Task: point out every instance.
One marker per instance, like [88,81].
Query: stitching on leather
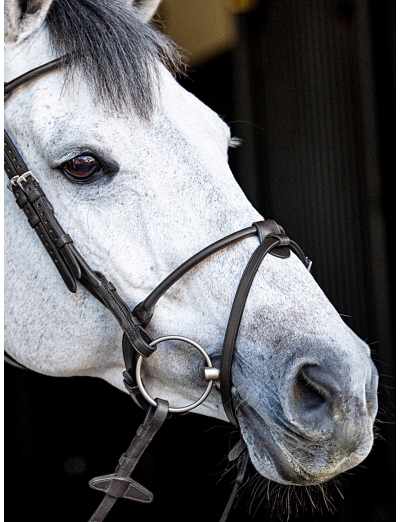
[124,313]
[142,436]
[117,303]
[141,488]
[101,298]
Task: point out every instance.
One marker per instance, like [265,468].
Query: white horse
[159,190]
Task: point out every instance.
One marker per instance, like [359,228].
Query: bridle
[137,343]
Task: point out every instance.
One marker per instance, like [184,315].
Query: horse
[137,171]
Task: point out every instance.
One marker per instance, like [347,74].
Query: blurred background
[309,87]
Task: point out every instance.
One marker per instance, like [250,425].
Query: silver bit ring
[209,376]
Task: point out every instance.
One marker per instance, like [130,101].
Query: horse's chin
[270,457]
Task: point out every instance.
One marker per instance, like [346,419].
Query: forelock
[112,50]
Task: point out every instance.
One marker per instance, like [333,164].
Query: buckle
[18,180]
[24,177]
[12,183]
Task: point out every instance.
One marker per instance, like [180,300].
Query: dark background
[310,88]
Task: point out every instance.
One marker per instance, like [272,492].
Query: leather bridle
[137,343]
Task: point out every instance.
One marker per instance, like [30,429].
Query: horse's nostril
[315,393]
[322,382]
[307,392]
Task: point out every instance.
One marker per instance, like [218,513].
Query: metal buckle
[12,183]
[309,264]
[17,180]
[24,177]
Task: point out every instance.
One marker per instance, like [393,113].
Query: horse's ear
[23,16]
[146,8]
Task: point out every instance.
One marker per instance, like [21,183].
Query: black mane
[112,50]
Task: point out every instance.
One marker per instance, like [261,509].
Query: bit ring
[214,374]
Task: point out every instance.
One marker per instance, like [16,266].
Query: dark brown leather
[63,263]
[13,163]
[43,210]
[119,484]
[271,242]
[144,310]
[10,87]
[235,318]
[107,294]
[242,467]
[130,383]
[268,227]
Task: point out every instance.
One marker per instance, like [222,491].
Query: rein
[137,343]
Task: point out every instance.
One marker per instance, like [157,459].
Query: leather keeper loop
[266,228]
[128,381]
[283,240]
[63,240]
[34,220]
[21,199]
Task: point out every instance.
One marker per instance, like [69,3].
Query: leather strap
[241,473]
[119,484]
[14,165]
[235,318]
[39,212]
[32,200]
[130,383]
[12,362]
[268,227]
[270,242]
[9,87]
[144,310]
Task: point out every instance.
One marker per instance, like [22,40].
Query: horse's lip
[287,468]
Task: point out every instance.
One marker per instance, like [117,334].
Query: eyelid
[59,160]
[109,165]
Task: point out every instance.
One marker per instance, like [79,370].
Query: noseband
[137,343]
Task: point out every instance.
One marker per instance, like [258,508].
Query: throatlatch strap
[119,484]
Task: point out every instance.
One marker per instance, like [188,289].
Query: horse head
[136,169]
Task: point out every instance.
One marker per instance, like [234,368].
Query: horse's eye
[83,168]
